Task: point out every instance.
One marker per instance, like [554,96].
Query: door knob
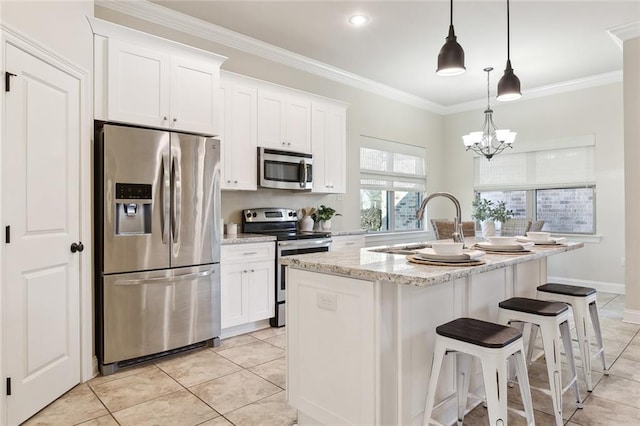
[76,247]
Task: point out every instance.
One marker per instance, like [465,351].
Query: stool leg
[532,343]
[595,320]
[463,378]
[565,332]
[551,343]
[494,374]
[580,318]
[523,382]
[436,366]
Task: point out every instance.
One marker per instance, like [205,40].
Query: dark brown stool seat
[478,332]
[534,306]
[568,290]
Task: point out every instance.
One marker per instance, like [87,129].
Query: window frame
[393,147]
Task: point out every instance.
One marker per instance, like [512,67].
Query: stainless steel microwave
[285,169]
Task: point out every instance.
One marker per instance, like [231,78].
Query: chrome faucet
[458,237]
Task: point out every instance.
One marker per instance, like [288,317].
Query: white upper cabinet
[328,137]
[238,133]
[146,80]
[284,120]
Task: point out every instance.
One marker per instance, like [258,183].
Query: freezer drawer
[150,312]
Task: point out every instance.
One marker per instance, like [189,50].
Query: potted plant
[487,213]
[323,216]
[500,212]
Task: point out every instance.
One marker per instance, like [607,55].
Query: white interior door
[41,275]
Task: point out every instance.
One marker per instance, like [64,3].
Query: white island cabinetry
[247,289]
[361,329]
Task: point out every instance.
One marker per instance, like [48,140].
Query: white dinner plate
[507,247]
[549,242]
[430,254]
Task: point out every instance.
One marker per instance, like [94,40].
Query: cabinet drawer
[250,252]
[344,241]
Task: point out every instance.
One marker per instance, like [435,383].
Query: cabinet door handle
[244,272]
[164,118]
[235,181]
[252,270]
[228,181]
[175,119]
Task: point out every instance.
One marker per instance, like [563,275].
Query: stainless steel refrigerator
[157,209]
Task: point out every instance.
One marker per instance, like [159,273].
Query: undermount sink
[402,250]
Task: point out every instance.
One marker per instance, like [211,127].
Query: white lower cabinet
[247,290]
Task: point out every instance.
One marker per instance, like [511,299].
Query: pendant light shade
[451,56]
[509,84]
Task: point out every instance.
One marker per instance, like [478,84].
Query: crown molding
[190,25]
[544,91]
[624,32]
[169,18]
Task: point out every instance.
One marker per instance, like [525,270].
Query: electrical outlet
[327,301]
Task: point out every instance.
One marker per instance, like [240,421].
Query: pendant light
[509,84]
[451,56]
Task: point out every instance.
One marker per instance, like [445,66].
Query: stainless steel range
[283,224]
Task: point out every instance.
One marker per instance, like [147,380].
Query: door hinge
[8,386]
[7,80]
[7,234]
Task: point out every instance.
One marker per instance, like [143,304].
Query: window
[556,185]
[392,180]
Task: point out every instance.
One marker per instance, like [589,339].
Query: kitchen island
[361,328]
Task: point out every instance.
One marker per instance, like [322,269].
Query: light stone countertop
[351,232]
[246,238]
[368,265]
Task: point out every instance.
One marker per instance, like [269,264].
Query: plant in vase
[482,213]
[323,216]
[500,213]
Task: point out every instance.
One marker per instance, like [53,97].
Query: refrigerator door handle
[177,199]
[165,279]
[166,199]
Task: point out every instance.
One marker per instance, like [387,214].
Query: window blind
[391,166]
[572,166]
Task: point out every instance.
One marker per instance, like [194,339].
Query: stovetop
[279,222]
[296,235]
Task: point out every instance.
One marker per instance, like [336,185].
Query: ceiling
[552,42]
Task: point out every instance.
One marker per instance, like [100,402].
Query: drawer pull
[250,253]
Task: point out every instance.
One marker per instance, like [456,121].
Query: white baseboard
[632,316]
[605,287]
[244,328]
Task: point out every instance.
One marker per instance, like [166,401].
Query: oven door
[290,248]
[285,170]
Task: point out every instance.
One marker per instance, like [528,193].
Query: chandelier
[489,141]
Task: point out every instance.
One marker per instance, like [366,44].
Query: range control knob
[295,214]
[255,214]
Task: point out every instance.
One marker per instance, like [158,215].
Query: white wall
[632,175]
[368,114]
[597,111]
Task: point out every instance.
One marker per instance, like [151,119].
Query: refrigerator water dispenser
[133,209]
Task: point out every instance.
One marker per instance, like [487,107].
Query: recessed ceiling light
[358,20]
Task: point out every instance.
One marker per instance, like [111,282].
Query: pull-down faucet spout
[458,237]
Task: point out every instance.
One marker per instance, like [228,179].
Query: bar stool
[552,318]
[582,300]
[493,344]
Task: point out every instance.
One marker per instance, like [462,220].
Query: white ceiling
[552,42]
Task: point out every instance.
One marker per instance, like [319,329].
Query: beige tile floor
[242,382]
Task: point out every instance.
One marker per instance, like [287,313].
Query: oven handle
[308,243]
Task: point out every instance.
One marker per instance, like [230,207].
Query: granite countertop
[352,232]
[246,238]
[369,265]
